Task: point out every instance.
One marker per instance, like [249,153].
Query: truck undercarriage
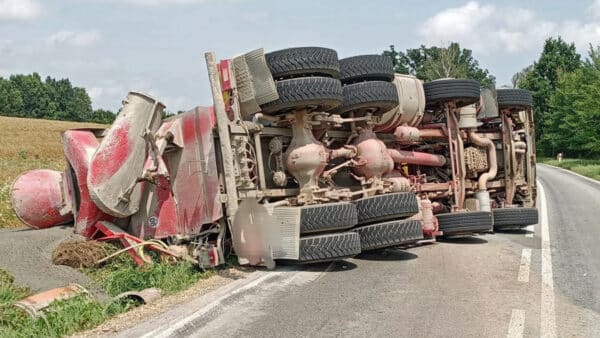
[301,157]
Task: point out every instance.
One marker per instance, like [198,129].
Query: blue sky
[157,46]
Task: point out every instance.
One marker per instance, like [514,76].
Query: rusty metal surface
[33,305]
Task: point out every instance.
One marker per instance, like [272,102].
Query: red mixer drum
[41,199]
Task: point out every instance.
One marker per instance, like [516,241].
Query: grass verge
[585,167]
[82,313]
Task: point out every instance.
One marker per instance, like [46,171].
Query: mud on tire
[305,92]
[375,96]
[460,223]
[387,206]
[463,91]
[366,68]
[327,217]
[303,61]
[514,217]
[386,234]
[329,247]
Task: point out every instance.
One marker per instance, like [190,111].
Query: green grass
[60,319]
[585,167]
[121,275]
[81,313]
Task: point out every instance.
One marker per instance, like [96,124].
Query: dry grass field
[27,144]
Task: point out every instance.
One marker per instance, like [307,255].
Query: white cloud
[77,39]
[489,28]
[19,9]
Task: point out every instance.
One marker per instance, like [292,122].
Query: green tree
[558,57]
[11,102]
[430,63]
[102,116]
[572,123]
[33,93]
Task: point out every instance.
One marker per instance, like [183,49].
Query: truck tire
[375,96]
[329,247]
[303,61]
[327,217]
[366,68]
[514,217]
[514,98]
[385,207]
[322,93]
[460,223]
[386,234]
[463,91]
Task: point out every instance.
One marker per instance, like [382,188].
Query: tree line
[565,89]
[30,96]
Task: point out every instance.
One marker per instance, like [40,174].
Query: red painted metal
[40,198]
[373,157]
[107,231]
[79,146]
[415,157]
[190,200]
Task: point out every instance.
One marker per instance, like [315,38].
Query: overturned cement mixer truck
[301,157]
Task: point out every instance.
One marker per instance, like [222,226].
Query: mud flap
[262,234]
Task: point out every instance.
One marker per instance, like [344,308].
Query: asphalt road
[543,282]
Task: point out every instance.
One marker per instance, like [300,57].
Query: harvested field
[28,144]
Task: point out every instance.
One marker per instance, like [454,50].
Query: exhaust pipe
[482,195]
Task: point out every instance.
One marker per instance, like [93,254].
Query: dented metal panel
[118,164]
[190,199]
[79,146]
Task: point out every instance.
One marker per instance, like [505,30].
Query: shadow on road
[463,240]
[519,232]
[336,266]
[390,254]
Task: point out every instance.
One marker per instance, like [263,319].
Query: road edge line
[547,313]
[525,265]
[516,325]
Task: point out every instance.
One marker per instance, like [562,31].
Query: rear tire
[366,68]
[303,61]
[514,217]
[385,207]
[463,223]
[387,234]
[514,98]
[463,91]
[376,97]
[327,217]
[321,93]
[329,247]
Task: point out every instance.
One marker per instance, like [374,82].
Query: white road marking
[525,266]
[288,277]
[516,324]
[548,315]
[172,329]
[530,231]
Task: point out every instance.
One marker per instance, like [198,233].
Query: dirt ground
[26,254]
